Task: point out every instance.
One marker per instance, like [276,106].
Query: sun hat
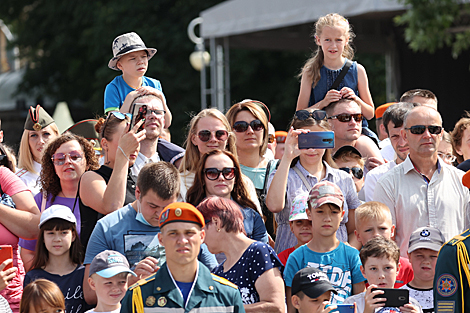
[312,282]
[57,211]
[426,238]
[37,118]
[125,44]
[299,204]
[181,212]
[325,192]
[109,263]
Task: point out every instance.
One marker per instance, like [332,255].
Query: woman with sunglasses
[112,186]
[299,170]
[218,174]
[39,129]
[19,218]
[64,161]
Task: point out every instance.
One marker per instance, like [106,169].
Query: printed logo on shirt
[138,246]
[389,310]
[340,279]
[446,285]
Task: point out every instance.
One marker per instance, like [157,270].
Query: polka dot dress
[257,259]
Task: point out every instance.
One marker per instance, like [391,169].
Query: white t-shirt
[425,297]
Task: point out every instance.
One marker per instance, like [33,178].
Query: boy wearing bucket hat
[108,277]
[182,284]
[340,262]
[131,56]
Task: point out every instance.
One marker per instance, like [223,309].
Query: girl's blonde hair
[25,158]
[192,155]
[312,67]
[41,292]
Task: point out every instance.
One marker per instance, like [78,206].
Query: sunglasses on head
[213,173]
[420,129]
[118,115]
[205,135]
[242,126]
[60,158]
[304,114]
[345,117]
[271,138]
[356,171]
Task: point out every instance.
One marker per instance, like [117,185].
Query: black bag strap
[341,75]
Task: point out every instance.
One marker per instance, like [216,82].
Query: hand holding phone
[6,253]
[343,308]
[317,140]
[139,111]
[394,297]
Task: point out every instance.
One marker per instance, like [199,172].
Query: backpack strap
[302,177]
[341,75]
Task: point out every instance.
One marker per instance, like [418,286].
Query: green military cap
[86,129]
[37,119]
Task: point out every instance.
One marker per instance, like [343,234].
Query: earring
[218,230]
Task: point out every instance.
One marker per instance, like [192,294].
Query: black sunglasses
[213,173]
[242,126]
[420,129]
[345,117]
[356,171]
[205,135]
[304,114]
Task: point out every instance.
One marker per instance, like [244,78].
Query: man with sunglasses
[153,148]
[345,118]
[423,190]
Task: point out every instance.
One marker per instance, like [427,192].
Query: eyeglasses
[345,117]
[59,158]
[205,135]
[447,157]
[420,129]
[281,139]
[118,115]
[158,113]
[356,171]
[242,126]
[304,114]
[213,173]
[271,138]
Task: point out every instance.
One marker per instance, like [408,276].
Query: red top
[284,255]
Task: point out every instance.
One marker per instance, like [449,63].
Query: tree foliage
[433,24]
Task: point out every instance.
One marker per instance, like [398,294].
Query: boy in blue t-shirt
[337,260]
[131,56]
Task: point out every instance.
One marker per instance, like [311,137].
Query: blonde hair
[41,292]
[192,154]
[25,156]
[312,66]
[257,111]
[372,210]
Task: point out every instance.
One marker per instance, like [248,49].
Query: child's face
[45,308]
[109,291]
[302,230]
[423,262]
[58,242]
[307,304]
[370,228]
[134,63]
[325,219]
[380,271]
[333,40]
[350,164]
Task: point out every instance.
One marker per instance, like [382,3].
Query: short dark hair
[160,177]
[410,94]
[331,107]
[380,247]
[396,114]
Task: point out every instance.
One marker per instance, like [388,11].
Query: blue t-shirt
[257,259]
[342,266]
[185,288]
[117,90]
[71,286]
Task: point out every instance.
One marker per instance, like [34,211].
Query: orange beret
[280,136]
[379,112]
[181,212]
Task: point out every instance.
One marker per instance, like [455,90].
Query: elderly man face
[423,131]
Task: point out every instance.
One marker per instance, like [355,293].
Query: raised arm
[367,104]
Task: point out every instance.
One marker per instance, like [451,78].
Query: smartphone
[139,111]
[342,308]
[395,297]
[317,140]
[6,252]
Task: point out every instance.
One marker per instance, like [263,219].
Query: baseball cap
[57,211]
[312,282]
[325,192]
[181,212]
[280,136]
[299,204]
[345,149]
[109,263]
[426,238]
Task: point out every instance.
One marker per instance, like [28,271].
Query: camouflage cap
[325,192]
[37,119]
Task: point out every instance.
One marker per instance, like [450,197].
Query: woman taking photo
[112,186]
[64,161]
[218,174]
[299,170]
[39,129]
[251,265]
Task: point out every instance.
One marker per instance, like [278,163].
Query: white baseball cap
[57,211]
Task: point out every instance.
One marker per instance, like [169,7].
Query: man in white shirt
[423,190]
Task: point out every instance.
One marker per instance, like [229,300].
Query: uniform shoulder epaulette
[459,238]
[21,172]
[143,281]
[223,281]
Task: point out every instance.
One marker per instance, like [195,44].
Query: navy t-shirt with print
[257,259]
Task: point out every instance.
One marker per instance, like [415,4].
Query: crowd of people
[244,218]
